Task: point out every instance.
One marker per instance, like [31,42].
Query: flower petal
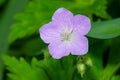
[81,24]
[58,50]
[49,33]
[62,17]
[79,46]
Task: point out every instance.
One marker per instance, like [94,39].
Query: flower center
[67,35]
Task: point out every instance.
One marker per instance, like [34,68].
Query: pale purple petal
[49,33]
[81,24]
[79,46]
[58,50]
[62,17]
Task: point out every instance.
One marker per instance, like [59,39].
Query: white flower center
[67,35]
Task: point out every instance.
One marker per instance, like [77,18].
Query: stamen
[67,35]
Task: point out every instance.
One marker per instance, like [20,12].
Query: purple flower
[65,34]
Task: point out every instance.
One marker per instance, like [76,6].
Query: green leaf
[97,7]
[21,70]
[40,70]
[64,68]
[105,29]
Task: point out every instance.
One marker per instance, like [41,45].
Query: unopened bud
[88,61]
[81,68]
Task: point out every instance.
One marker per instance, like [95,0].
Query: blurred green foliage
[27,56]
[39,12]
[115,78]
[1,2]
[5,22]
